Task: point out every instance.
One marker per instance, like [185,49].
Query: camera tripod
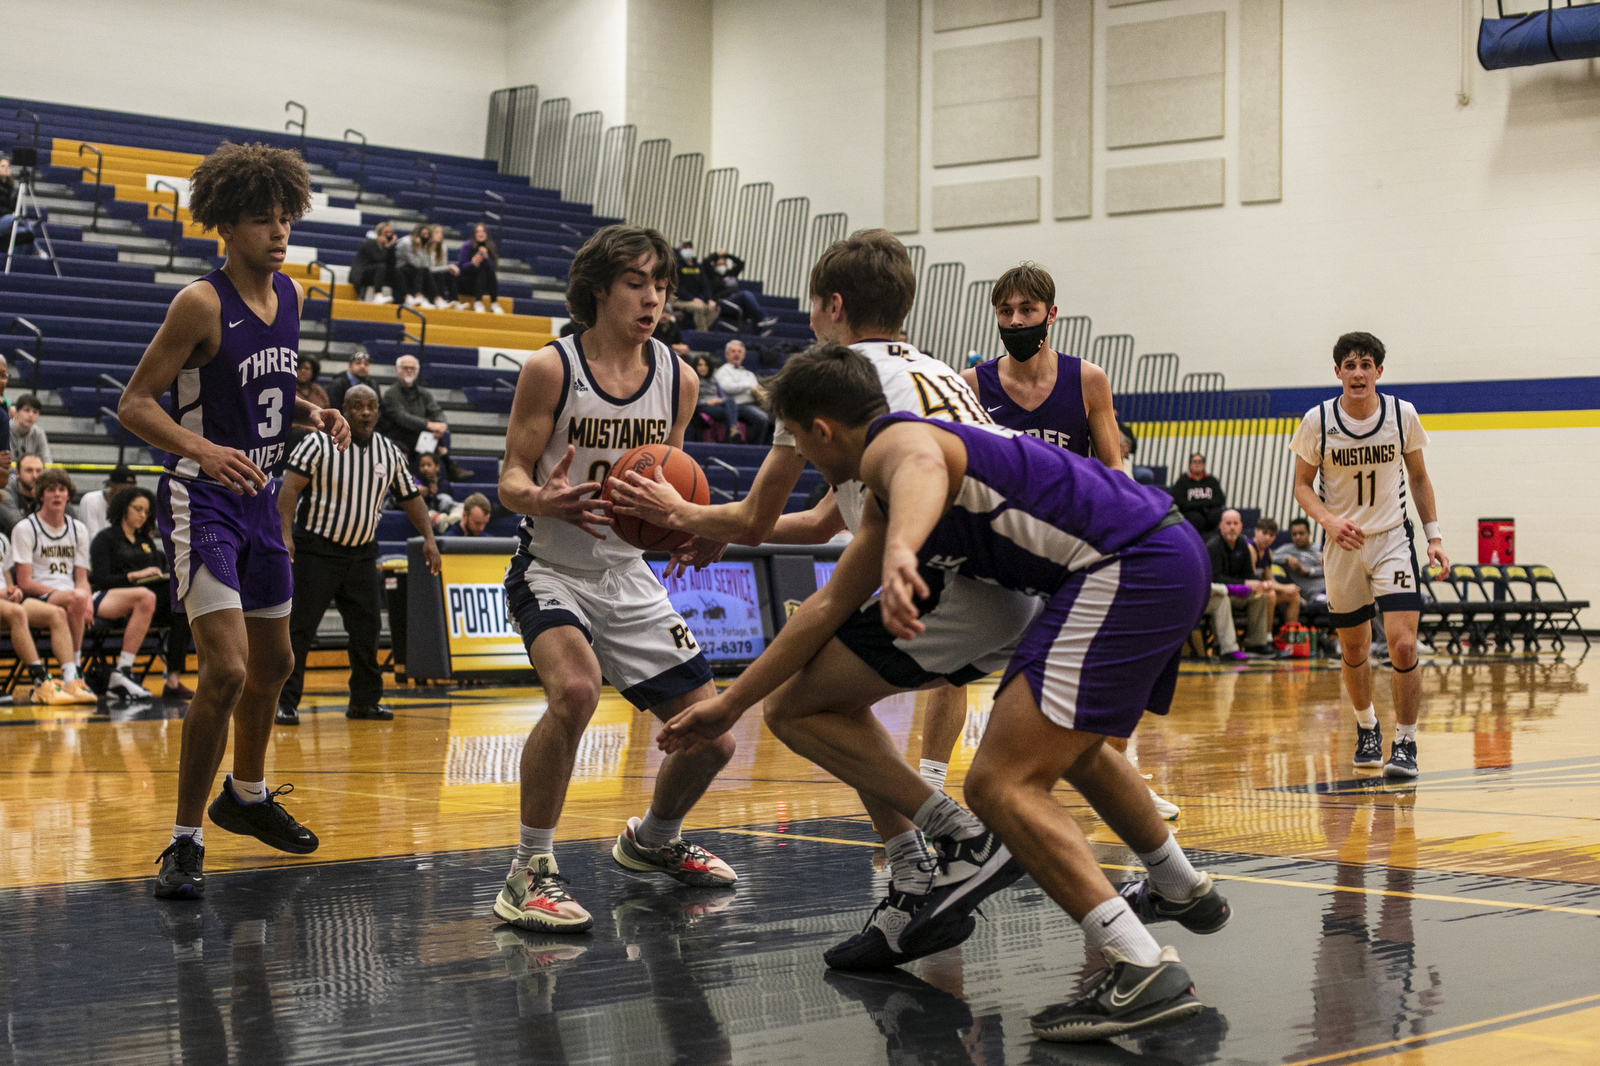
[27,200]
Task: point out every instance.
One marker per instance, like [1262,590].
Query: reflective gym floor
[1453,921]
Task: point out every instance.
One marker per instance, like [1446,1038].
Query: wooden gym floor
[1453,921]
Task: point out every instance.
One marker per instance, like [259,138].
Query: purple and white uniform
[1123,576]
[243,398]
[1060,420]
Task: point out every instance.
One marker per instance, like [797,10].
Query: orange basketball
[684,474]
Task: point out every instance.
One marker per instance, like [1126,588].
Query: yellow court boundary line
[1452,1030]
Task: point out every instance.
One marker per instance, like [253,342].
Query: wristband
[1430,531]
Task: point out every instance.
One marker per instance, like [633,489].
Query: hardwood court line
[1452,1030]
[796,836]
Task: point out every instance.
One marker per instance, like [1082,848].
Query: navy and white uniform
[972,627]
[1060,420]
[1123,577]
[561,576]
[244,399]
[1362,477]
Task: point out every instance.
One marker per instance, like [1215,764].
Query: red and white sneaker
[679,860]
[534,898]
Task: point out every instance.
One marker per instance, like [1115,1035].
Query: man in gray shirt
[1303,562]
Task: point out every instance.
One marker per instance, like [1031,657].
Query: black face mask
[1023,341]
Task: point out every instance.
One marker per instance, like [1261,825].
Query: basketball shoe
[1402,758]
[680,860]
[882,943]
[969,872]
[1168,810]
[181,876]
[534,897]
[1205,911]
[80,691]
[267,821]
[1369,747]
[1125,999]
[49,691]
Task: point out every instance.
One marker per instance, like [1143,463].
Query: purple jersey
[1060,420]
[244,397]
[1029,514]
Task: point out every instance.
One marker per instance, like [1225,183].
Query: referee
[332,535]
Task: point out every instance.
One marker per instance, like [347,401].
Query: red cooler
[1497,542]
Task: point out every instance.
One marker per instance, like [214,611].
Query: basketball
[682,472]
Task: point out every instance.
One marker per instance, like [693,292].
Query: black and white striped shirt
[345,497]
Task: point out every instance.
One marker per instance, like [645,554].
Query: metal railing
[785,246]
[499,219]
[107,379]
[421,337]
[682,208]
[495,361]
[300,124]
[37,358]
[360,149]
[513,121]
[738,480]
[550,143]
[648,193]
[583,157]
[99,168]
[330,292]
[616,172]
[177,223]
[122,442]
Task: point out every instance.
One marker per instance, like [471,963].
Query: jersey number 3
[1367,491]
[272,400]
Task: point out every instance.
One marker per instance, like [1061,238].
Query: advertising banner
[477,625]
[722,605]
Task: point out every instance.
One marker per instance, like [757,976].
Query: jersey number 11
[1369,489]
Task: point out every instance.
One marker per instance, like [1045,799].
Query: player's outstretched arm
[811,626]
[816,526]
[907,465]
[1103,430]
[190,333]
[747,521]
[1427,508]
[1342,531]
[533,417]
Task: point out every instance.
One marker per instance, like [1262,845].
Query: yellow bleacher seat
[510,323]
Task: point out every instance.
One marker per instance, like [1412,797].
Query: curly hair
[245,179]
[118,508]
[54,478]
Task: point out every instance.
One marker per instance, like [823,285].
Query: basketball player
[861,290]
[1123,578]
[1362,445]
[227,351]
[585,602]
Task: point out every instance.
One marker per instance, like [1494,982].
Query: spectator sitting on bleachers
[694,289]
[127,557]
[1303,562]
[94,507]
[1199,496]
[744,391]
[50,550]
[409,410]
[27,436]
[667,331]
[479,261]
[435,488]
[20,498]
[20,614]
[1285,594]
[712,403]
[355,375]
[724,279]
[1234,583]
[474,517]
[414,268]
[307,371]
[8,207]
[374,266]
[446,275]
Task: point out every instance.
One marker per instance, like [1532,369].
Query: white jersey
[53,553]
[912,382]
[602,428]
[1361,465]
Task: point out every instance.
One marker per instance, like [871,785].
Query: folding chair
[1560,614]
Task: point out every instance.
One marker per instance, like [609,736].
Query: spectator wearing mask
[357,373]
[744,391]
[1234,583]
[1199,496]
[410,410]
[1285,594]
[479,262]
[694,289]
[711,402]
[414,266]
[374,266]
[94,507]
[126,554]
[27,436]
[446,275]
[20,498]
[474,518]
[724,279]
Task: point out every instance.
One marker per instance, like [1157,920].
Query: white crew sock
[1367,719]
[69,672]
[249,791]
[1114,925]
[942,816]
[910,864]
[934,773]
[1409,731]
[1170,871]
[198,832]
[125,660]
[656,832]
[534,842]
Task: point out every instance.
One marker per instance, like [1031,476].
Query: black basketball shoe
[1127,998]
[1205,911]
[267,821]
[1369,747]
[1402,758]
[181,876]
[884,942]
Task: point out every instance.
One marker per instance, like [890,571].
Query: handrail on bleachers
[361,174]
[177,223]
[402,309]
[738,479]
[38,347]
[291,124]
[99,169]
